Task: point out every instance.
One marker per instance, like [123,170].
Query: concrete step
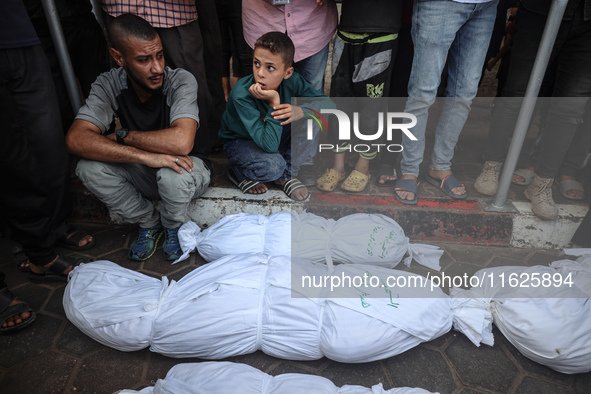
[431,220]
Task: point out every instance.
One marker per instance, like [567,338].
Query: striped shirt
[159,13]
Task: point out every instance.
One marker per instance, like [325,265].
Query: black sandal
[19,259]
[386,169]
[73,241]
[244,185]
[291,186]
[55,270]
[7,310]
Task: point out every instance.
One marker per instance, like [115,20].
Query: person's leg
[15,314]
[88,50]
[33,92]
[226,48]
[572,90]
[571,94]
[243,53]
[183,48]
[250,162]
[466,56]
[434,28]
[341,86]
[25,208]
[577,154]
[528,33]
[292,186]
[210,32]
[177,190]
[312,68]
[126,189]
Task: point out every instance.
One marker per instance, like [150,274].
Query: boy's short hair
[277,42]
[130,25]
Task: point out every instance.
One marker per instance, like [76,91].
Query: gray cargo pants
[126,189]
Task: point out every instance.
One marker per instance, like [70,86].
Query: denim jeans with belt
[439,27]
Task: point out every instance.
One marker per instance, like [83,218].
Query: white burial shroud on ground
[225,377]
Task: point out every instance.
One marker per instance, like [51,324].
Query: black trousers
[233,43]
[34,162]
[572,88]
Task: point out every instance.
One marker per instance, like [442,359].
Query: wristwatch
[121,134]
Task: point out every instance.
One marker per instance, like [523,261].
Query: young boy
[256,127]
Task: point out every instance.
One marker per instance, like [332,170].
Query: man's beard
[143,86]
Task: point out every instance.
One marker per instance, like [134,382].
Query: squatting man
[149,157]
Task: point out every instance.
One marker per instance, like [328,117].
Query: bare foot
[458,191]
[16,319]
[298,194]
[24,264]
[84,241]
[405,195]
[519,178]
[387,178]
[258,189]
[571,192]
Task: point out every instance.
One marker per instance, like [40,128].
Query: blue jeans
[439,27]
[249,161]
[312,68]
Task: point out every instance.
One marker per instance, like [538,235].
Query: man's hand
[176,163]
[271,96]
[287,111]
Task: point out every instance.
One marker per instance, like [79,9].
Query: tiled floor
[53,356]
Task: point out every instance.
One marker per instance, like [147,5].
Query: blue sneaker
[172,248]
[146,243]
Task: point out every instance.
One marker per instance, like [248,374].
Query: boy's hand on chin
[270,95]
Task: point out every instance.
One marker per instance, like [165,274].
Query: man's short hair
[277,42]
[130,25]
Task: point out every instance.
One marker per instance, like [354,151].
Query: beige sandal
[356,182]
[329,180]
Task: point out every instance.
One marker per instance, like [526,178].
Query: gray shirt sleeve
[101,104]
[181,93]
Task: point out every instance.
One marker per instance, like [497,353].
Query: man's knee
[188,184]
[93,173]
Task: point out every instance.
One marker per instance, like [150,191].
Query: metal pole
[63,56]
[529,101]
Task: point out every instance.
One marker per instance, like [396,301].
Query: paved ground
[53,356]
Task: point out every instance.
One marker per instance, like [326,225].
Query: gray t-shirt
[112,96]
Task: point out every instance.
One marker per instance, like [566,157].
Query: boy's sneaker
[172,248]
[146,243]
